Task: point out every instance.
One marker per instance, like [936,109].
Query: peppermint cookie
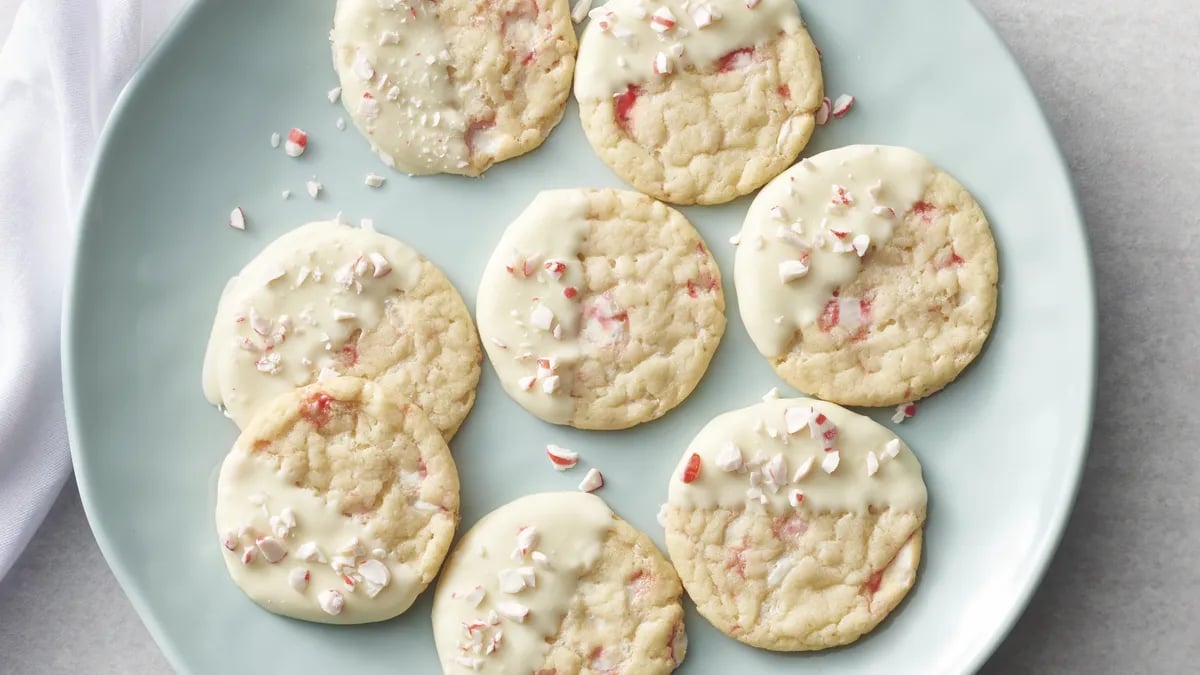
[867,276]
[327,298]
[557,583]
[337,504]
[796,524]
[698,102]
[453,86]
[600,308]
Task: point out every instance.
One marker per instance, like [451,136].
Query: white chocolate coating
[623,53]
[760,433]
[294,308]
[249,491]
[792,221]
[506,302]
[569,530]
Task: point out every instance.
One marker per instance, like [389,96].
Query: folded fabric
[64,65]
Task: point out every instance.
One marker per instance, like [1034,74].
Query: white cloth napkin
[60,72]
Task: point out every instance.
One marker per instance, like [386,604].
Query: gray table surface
[1119,82]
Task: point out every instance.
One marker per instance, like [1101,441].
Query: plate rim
[1042,550]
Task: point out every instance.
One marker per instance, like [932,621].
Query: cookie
[331,298]
[600,309]
[796,524]
[698,102]
[867,276]
[337,504]
[453,86]
[556,583]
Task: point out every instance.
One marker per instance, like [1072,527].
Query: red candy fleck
[692,471]
[349,354]
[476,126]
[784,91]
[925,210]
[570,292]
[556,267]
[528,58]
[734,60]
[317,409]
[422,471]
[830,316]
[624,105]
[873,582]
[298,137]
[691,289]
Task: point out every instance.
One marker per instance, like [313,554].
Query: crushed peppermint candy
[310,552]
[822,116]
[892,448]
[334,94]
[771,395]
[285,194]
[375,574]
[562,458]
[527,538]
[662,64]
[861,243]
[791,270]
[594,480]
[843,105]
[276,139]
[872,464]
[542,317]
[797,419]
[340,123]
[662,20]
[691,470]
[373,180]
[795,497]
[831,461]
[297,143]
[515,579]
[704,15]
[803,470]
[472,597]
[237,218]
[513,610]
[331,601]
[775,472]
[729,458]
[550,384]
[298,579]
[903,412]
[313,188]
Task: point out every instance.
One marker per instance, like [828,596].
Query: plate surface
[1002,447]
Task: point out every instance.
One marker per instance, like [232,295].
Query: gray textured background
[1119,81]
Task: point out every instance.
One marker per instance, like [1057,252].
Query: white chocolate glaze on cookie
[600,308]
[337,504]
[867,276]
[557,583]
[698,102]
[633,41]
[455,85]
[328,298]
[798,242]
[796,524]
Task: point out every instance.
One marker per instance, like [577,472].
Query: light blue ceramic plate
[1002,447]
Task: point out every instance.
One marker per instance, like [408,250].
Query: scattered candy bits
[692,470]
[594,480]
[297,143]
[903,412]
[237,218]
[562,458]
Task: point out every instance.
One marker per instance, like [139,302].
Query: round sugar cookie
[329,298]
[557,583]
[600,309]
[867,276]
[698,102]
[453,86]
[795,525]
[337,504]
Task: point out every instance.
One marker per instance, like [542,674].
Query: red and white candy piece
[298,579]
[751,4]
[527,538]
[542,317]
[526,383]
[229,540]
[331,601]
[375,575]
[861,243]
[551,384]
[249,555]
[822,115]
[310,552]
[562,458]
[297,143]
[775,472]
[797,419]
[237,218]
[903,412]
[891,449]
[474,596]
[791,270]
[603,17]
[691,471]
[795,497]
[662,64]
[555,268]
[843,105]
[594,480]
[704,15]
[662,20]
